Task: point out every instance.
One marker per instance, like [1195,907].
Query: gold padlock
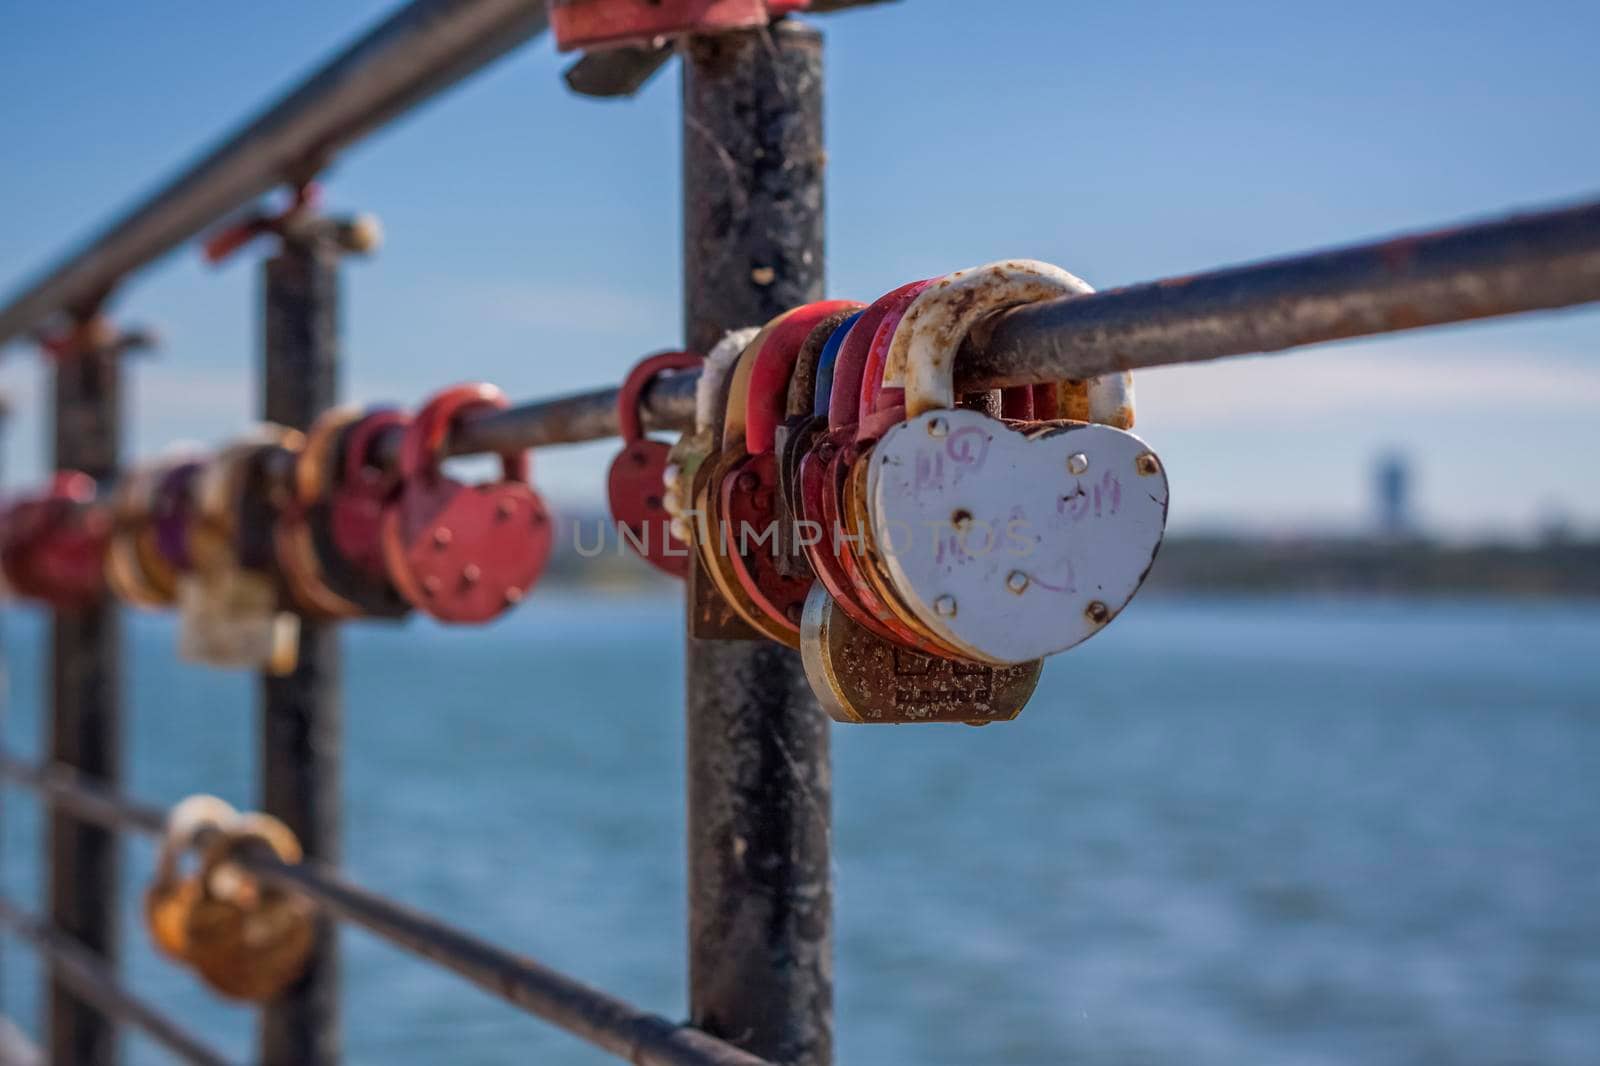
[860,678]
[172,893]
[231,604]
[134,573]
[247,939]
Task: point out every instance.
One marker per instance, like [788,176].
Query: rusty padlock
[693,448]
[876,408]
[821,475]
[1071,514]
[958,302]
[128,575]
[635,482]
[172,893]
[861,678]
[801,425]
[324,579]
[462,553]
[749,487]
[711,616]
[53,544]
[713,539]
[137,569]
[231,604]
[246,938]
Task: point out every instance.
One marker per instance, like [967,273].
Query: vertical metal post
[85,730]
[760,888]
[301,731]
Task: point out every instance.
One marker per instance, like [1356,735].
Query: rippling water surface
[1257,832]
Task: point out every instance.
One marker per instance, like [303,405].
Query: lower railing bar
[93,982]
[1527,262]
[71,792]
[587,1013]
[592,1015]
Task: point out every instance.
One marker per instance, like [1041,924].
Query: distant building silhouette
[1392,487]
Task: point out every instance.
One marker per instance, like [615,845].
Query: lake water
[1224,833]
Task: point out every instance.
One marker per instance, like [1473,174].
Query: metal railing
[760,989]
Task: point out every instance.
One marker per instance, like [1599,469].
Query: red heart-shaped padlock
[462,553]
[635,481]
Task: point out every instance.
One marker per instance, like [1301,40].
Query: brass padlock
[860,678]
[172,892]
[231,603]
[710,615]
[247,939]
[129,573]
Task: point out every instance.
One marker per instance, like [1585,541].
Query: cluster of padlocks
[244,937]
[279,525]
[927,550]
[924,550]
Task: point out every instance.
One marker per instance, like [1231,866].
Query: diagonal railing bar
[416,53]
[585,1012]
[96,983]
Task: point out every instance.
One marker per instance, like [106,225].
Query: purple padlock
[170,508]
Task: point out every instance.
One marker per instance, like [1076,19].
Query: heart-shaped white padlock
[1009,545]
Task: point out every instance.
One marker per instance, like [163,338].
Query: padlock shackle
[710,392]
[422,446]
[803,380]
[921,358]
[873,398]
[185,821]
[629,421]
[844,401]
[313,470]
[246,831]
[171,503]
[359,438]
[730,432]
[823,392]
[767,397]
[219,489]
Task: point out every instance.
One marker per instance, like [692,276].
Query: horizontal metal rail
[93,981]
[1527,262]
[587,1013]
[416,53]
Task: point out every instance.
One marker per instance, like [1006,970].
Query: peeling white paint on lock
[1079,540]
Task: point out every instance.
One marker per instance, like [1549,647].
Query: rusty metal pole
[301,727]
[760,888]
[85,731]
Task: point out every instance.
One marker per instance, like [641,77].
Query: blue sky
[533,236]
